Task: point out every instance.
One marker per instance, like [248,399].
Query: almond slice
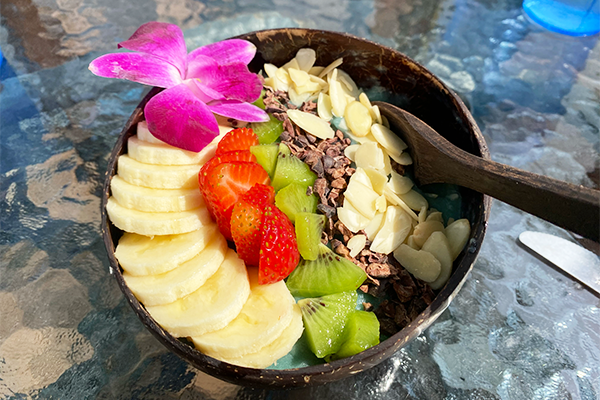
[331,67]
[306,59]
[324,106]
[311,123]
[388,139]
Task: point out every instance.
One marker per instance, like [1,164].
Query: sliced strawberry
[225,183]
[239,155]
[278,250]
[246,221]
[237,139]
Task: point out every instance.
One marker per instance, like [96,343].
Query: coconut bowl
[411,87]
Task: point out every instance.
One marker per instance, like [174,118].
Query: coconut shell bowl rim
[271,44]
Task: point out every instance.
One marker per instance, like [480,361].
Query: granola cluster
[402,296]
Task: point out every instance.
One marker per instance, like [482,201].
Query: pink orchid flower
[210,80]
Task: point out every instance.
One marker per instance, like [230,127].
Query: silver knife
[580,263]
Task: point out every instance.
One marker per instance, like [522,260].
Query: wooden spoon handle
[572,207]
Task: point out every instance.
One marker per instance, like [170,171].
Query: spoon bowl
[436,160]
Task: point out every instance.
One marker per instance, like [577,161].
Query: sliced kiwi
[292,199]
[283,149]
[360,333]
[266,155]
[324,320]
[268,131]
[260,103]
[291,169]
[309,227]
[329,273]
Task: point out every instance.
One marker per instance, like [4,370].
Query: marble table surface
[519,329]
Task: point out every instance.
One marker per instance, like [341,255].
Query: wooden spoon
[436,160]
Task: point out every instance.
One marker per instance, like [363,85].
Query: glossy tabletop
[519,329]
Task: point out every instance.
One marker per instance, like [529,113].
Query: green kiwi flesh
[266,156]
[360,333]
[324,320]
[329,273]
[268,131]
[292,199]
[290,169]
[309,227]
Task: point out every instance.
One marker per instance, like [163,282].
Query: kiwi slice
[329,273]
[324,320]
[309,227]
[360,333]
[266,156]
[268,131]
[291,169]
[260,102]
[292,199]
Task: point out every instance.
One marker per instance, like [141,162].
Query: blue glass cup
[570,17]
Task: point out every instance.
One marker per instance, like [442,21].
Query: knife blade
[580,263]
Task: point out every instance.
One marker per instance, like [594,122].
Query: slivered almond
[331,67]
[324,106]
[356,244]
[388,139]
[311,123]
[358,118]
[299,77]
[306,59]
[270,70]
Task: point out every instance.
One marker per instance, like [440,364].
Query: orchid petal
[136,67]
[161,40]
[227,51]
[238,110]
[200,66]
[176,116]
[234,81]
[206,93]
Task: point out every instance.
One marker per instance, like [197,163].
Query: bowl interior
[407,84]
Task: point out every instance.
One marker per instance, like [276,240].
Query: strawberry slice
[246,221]
[278,249]
[241,155]
[223,184]
[237,139]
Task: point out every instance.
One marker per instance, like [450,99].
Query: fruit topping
[309,227]
[329,273]
[290,169]
[246,222]
[223,184]
[293,199]
[278,249]
[266,155]
[264,317]
[324,320]
[360,333]
[237,139]
[269,131]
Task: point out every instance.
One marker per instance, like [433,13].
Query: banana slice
[144,134]
[277,349]
[158,176]
[212,306]
[186,278]
[163,223]
[164,154]
[265,315]
[145,255]
[154,200]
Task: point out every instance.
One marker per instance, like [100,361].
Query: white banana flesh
[153,255]
[163,223]
[277,349]
[265,315]
[154,200]
[210,308]
[158,176]
[186,278]
[164,154]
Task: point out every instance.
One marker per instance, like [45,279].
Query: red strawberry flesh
[225,183]
[278,250]
[237,139]
[246,221]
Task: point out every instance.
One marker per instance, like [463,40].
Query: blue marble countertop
[519,329]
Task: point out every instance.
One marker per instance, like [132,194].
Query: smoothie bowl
[353,169]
